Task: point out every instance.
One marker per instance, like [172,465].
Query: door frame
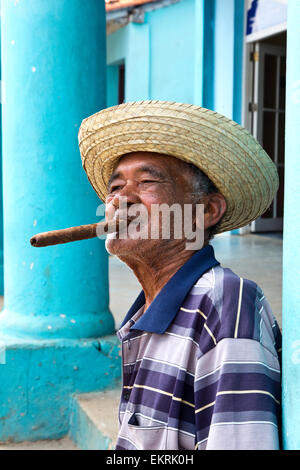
[251,118]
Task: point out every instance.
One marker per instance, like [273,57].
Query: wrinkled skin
[149,178]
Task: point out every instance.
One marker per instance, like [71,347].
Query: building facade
[226,56]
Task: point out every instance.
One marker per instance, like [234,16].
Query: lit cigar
[81,232]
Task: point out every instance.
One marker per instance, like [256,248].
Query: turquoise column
[199,51]
[228,57]
[56,298]
[291,252]
[1,199]
[239,32]
[224,57]
[208,54]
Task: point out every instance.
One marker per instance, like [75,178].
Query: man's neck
[153,272]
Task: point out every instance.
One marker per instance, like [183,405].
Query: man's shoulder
[224,288]
[232,307]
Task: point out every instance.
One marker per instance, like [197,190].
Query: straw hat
[225,151]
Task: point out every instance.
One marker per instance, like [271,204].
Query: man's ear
[214,208]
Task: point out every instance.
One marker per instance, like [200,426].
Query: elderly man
[200,346]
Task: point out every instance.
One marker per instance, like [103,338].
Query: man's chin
[119,247]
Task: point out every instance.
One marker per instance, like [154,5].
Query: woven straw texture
[225,151]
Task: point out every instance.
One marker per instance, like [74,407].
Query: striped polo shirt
[201,366]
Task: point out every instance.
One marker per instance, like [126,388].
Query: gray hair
[202,186]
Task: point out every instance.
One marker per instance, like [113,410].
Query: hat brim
[226,152]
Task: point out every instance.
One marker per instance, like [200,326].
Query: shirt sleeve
[237,397]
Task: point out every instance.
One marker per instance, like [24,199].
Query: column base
[56,326]
[39,377]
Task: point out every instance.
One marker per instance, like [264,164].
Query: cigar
[72,234]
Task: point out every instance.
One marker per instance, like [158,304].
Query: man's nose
[128,192]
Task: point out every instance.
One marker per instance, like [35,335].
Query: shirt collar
[166,304]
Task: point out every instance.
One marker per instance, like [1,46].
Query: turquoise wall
[191,51]
[172,46]
[159,55]
[125,46]
[291,245]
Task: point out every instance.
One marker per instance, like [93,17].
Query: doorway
[266,116]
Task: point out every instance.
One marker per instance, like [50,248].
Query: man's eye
[114,188]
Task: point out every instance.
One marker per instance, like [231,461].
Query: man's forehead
[142,156]
[139,160]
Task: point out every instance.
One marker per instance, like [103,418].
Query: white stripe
[244,422]
[131,442]
[163,392]
[183,432]
[150,419]
[190,310]
[236,362]
[181,337]
[196,310]
[205,406]
[132,363]
[204,316]
[200,442]
[168,364]
[136,337]
[210,333]
[235,392]
[161,422]
[260,330]
[246,392]
[239,308]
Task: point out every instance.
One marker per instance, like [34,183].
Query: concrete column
[56,298]
[291,252]
[54,72]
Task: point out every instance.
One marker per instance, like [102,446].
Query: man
[200,345]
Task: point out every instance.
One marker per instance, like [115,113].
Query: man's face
[145,178]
